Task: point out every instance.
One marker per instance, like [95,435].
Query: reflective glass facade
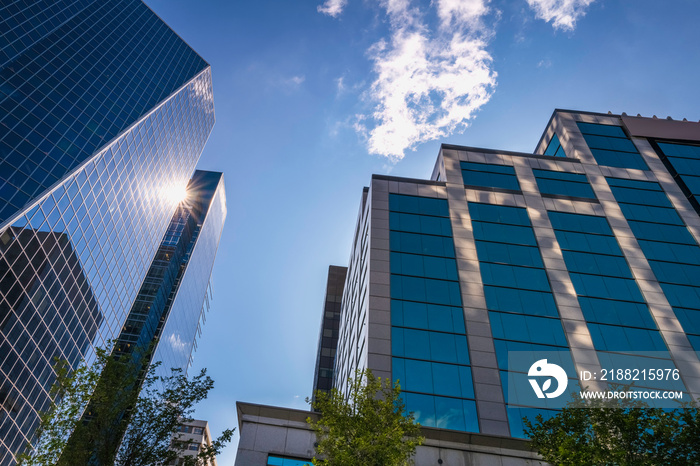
[73,75]
[104,112]
[428,341]
[522,310]
[610,146]
[683,162]
[592,255]
[671,249]
[173,295]
[207,212]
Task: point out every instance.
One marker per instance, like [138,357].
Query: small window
[610,146]
[489,176]
[563,184]
[198,430]
[554,148]
[193,447]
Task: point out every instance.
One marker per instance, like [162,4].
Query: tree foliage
[112,413]
[370,427]
[610,432]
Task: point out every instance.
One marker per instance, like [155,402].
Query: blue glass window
[611,146]
[504,233]
[661,232]
[509,254]
[598,264]
[681,295]
[683,253]
[427,316]
[563,184]
[428,338]
[584,242]
[685,160]
[579,223]
[504,346]
[418,205]
[689,319]
[420,224]
[489,176]
[605,311]
[625,339]
[442,412]
[423,266]
[422,244]
[429,345]
[433,378]
[554,148]
[641,196]
[516,277]
[425,290]
[520,301]
[279,461]
[601,130]
[540,330]
[608,295]
[646,212]
[606,287]
[498,214]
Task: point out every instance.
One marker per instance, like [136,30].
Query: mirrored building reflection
[104,112]
[171,305]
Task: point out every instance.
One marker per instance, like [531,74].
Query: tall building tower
[585,252]
[171,305]
[104,112]
[328,336]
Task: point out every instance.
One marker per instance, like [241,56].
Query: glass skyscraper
[587,250]
[104,112]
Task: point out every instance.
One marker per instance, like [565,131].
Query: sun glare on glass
[176,194]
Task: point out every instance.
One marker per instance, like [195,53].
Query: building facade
[196,436]
[104,112]
[171,305]
[585,251]
[328,335]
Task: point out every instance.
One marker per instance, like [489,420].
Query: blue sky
[313,97]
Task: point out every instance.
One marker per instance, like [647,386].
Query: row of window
[429,345]
[616,314]
[685,160]
[504,177]
[662,237]
[522,312]
[428,341]
[610,146]
[433,378]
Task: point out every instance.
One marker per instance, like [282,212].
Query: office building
[171,305]
[586,250]
[195,434]
[104,112]
[328,335]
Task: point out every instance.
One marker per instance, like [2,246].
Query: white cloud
[429,82]
[291,83]
[296,80]
[544,63]
[176,343]
[561,13]
[332,7]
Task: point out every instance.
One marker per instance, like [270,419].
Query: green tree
[113,412]
[370,427]
[617,432]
